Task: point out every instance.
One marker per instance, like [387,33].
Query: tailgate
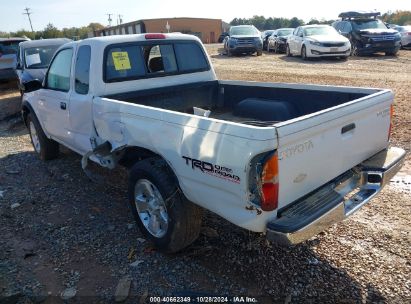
[316,148]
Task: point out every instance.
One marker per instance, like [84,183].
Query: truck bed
[259,104]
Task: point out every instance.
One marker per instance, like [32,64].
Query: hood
[328,38]
[378,31]
[30,74]
[245,36]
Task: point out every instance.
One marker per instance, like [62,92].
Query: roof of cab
[44,42]
[105,40]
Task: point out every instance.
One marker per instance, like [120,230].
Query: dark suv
[367,34]
[243,39]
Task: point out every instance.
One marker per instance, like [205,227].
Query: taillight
[155,36]
[391,115]
[269,184]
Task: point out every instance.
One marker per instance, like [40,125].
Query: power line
[28,13]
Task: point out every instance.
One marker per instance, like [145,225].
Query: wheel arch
[130,155]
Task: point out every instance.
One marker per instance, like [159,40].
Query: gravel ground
[65,237]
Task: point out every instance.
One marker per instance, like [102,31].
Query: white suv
[317,41]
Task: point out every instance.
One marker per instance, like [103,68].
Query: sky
[78,13]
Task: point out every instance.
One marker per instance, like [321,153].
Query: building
[208,30]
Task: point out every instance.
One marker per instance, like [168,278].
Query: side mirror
[32,85]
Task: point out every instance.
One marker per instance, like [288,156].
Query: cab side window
[82,71]
[58,77]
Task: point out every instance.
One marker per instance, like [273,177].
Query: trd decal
[215,170]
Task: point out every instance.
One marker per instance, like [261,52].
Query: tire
[394,53]
[46,148]
[354,49]
[276,48]
[259,53]
[287,51]
[344,58]
[304,53]
[180,226]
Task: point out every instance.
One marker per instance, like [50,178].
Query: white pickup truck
[287,160]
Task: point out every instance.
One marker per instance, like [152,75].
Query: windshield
[268,33]
[9,47]
[368,24]
[284,32]
[246,30]
[321,30]
[39,57]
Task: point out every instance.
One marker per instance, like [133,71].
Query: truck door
[56,95]
[80,108]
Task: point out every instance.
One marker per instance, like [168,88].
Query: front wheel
[259,53]
[287,51]
[394,53]
[46,148]
[304,53]
[354,49]
[162,212]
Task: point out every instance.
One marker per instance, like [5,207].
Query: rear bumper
[336,200]
[7,74]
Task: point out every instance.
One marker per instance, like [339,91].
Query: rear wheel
[160,209]
[46,148]
[287,50]
[304,53]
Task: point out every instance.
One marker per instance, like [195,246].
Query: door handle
[347,128]
[63,105]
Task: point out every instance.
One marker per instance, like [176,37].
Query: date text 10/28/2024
[203,299]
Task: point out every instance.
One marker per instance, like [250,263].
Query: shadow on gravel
[61,231]
[313,60]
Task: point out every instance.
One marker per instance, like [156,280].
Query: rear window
[142,60]
[9,47]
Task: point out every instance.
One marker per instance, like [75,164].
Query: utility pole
[28,13]
[109,19]
[120,19]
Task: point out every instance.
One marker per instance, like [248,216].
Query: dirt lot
[61,233]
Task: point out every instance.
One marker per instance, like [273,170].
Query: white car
[317,41]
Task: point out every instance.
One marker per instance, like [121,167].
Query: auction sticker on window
[121,61]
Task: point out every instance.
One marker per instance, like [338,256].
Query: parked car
[243,39]
[317,41]
[264,36]
[257,154]
[278,40]
[8,57]
[367,34]
[34,58]
[222,36]
[405,32]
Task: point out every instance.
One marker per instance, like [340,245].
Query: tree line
[262,23]
[50,31]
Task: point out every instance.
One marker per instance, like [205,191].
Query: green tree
[50,31]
